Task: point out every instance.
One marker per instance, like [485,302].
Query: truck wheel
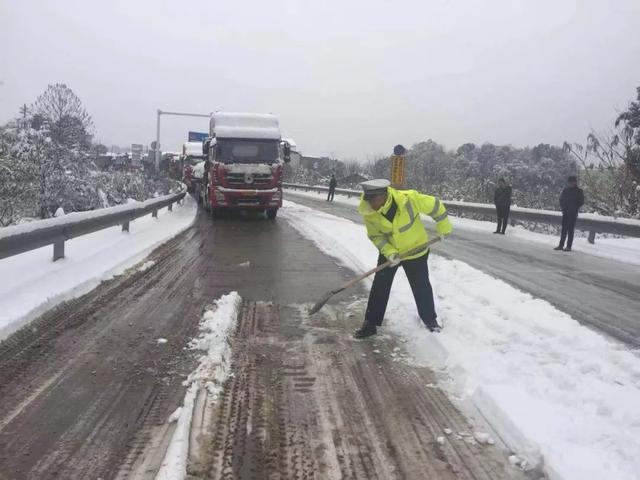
[271,213]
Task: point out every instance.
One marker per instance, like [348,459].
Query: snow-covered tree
[68,122]
[629,122]
[46,163]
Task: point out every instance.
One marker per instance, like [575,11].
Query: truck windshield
[246,151]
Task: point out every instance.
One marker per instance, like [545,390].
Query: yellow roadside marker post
[397,167]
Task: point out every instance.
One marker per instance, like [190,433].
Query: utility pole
[158,142]
[23,111]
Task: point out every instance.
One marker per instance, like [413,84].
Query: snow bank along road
[31,283]
[600,292]
[560,394]
[87,389]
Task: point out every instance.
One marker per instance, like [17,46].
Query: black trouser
[568,227]
[332,192]
[503,218]
[417,271]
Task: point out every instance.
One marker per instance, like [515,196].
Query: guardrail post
[125,226]
[154,214]
[58,250]
[170,207]
[592,236]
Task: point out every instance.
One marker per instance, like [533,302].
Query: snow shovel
[327,296]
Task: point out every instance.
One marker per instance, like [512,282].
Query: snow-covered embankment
[32,283]
[559,394]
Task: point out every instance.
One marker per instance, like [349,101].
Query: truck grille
[256,180]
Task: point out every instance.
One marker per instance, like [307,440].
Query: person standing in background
[502,201]
[571,199]
[333,183]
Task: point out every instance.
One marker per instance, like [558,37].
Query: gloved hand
[394,259]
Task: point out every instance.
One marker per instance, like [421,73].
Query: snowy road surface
[557,392]
[88,390]
[600,292]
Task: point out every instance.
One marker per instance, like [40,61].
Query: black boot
[367,330]
[433,326]
[559,247]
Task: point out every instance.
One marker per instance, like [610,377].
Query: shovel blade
[323,300]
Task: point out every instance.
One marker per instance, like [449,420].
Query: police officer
[392,218]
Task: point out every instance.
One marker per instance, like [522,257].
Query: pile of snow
[146,266]
[216,326]
[37,283]
[558,394]
[622,249]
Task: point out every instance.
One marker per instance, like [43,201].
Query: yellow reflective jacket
[406,231]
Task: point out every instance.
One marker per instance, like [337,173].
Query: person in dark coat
[502,200]
[333,183]
[571,199]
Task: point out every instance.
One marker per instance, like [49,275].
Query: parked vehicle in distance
[197,180]
[192,153]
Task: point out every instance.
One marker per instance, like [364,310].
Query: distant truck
[245,156]
[197,180]
[192,153]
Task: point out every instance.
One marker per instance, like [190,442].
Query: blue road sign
[197,136]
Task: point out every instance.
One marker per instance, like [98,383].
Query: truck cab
[244,166]
[192,154]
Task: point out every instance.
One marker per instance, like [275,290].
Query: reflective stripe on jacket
[406,231]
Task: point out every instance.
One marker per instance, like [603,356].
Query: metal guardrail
[55,231]
[586,222]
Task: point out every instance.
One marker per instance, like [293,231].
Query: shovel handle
[386,264]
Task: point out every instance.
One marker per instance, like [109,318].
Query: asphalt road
[87,389]
[598,292]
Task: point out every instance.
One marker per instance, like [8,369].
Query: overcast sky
[347,78]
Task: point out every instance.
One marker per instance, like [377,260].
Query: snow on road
[625,250]
[216,325]
[561,395]
[32,283]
